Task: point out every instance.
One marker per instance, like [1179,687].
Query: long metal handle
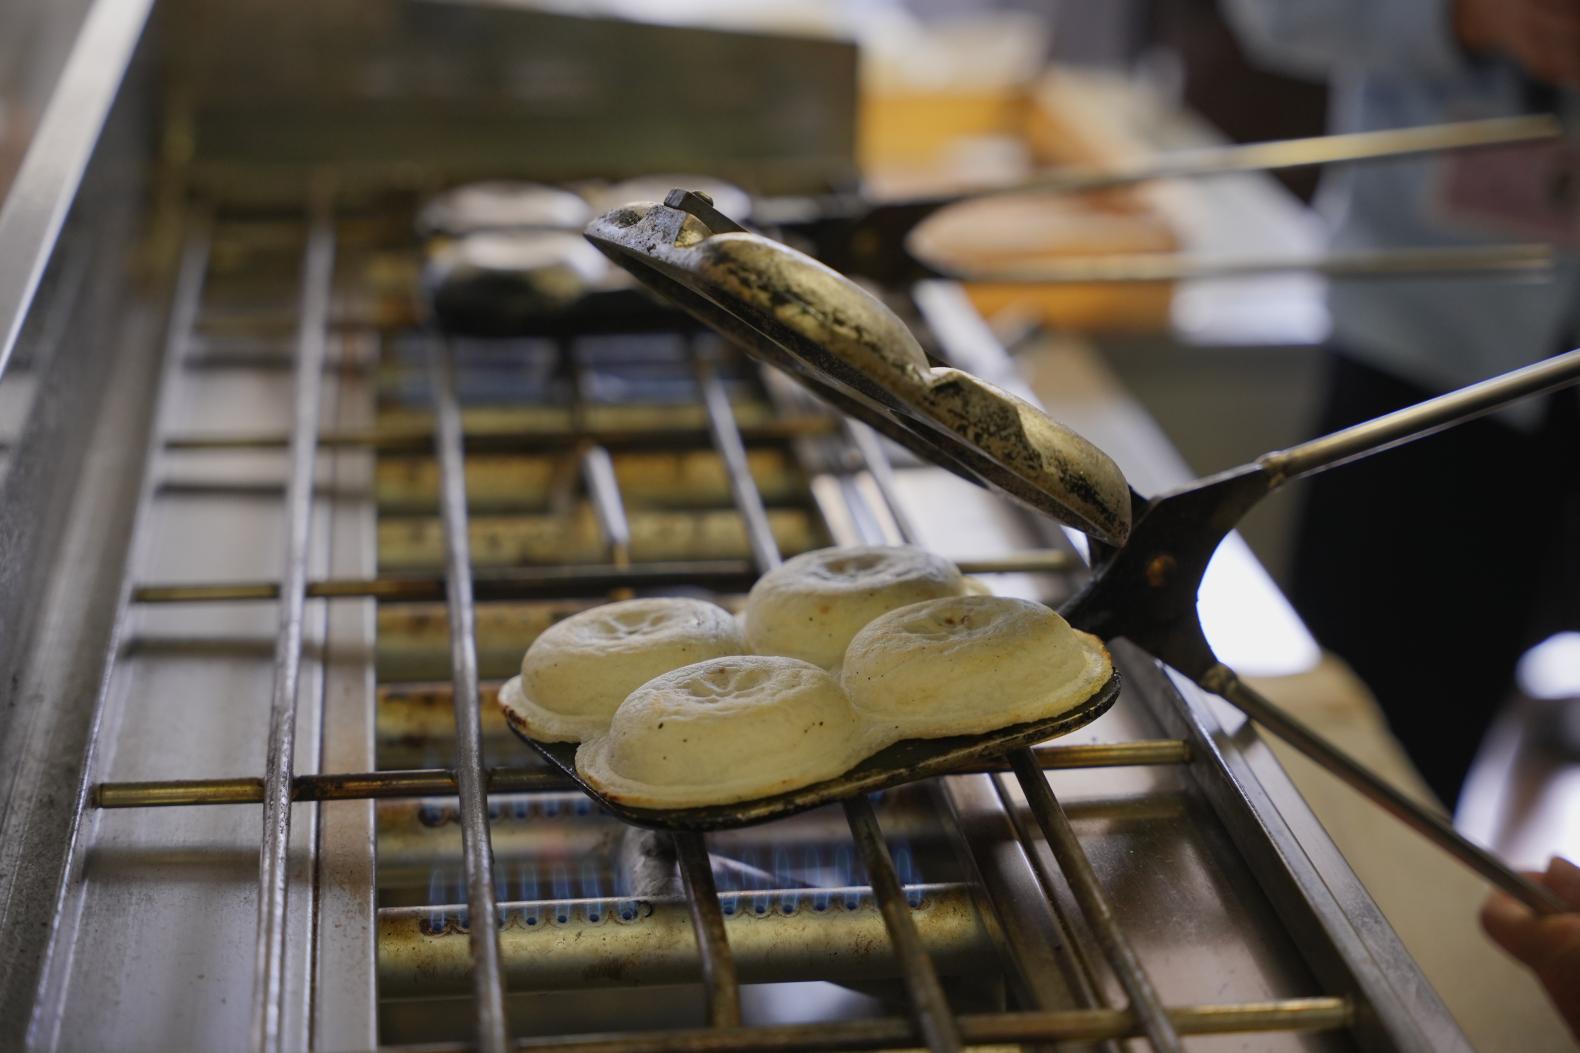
[1210,161]
[1519,260]
[1224,682]
[1302,153]
[1422,419]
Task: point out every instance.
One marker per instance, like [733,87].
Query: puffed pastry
[580,670]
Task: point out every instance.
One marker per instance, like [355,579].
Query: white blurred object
[1248,622]
[1551,669]
[970,53]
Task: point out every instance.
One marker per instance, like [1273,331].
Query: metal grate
[859,460]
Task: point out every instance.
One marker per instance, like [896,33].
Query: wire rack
[471,782]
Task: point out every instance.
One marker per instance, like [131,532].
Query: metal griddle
[905,761]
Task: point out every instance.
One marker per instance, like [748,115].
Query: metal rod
[440,782]
[1081,973]
[988,1029]
[1302,153]
[1067,851]
[871,450]
[1223,681]
[1422,419]
[707,921]
[727,440]
[530,582]
[349,786]
[604,490]
[929,1007]
[488,977]
[1471,262]
[389,439]
[268,992]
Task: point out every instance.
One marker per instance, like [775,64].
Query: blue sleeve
[1316,37]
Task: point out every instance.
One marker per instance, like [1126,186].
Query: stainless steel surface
[33,210]
[487,973]
[54,954]
[268,993]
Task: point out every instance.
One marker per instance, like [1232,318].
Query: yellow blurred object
[899,129]
[913,141]
[1029,229]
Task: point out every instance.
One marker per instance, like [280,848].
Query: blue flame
[529,892]
[436,888]
[818,873]
[592,888]
[560,881]
[905,869]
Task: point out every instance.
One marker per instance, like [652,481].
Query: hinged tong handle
[1146,590]
[1420,420]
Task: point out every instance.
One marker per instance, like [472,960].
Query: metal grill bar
[389,439]
[866,442]
[476,848]
[727,440]
[929,1007]
[382,785]
[268,979]
[556,581]
[604,489]
[1291,1015]
[1067,851]
[707,919]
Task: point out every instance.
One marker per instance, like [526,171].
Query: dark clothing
[1431,568]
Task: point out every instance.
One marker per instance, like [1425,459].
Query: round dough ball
[969,664]
[729,729]
[811,606]
[576,674]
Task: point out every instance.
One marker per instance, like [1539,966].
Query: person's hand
[1549,945]
[1543,36]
